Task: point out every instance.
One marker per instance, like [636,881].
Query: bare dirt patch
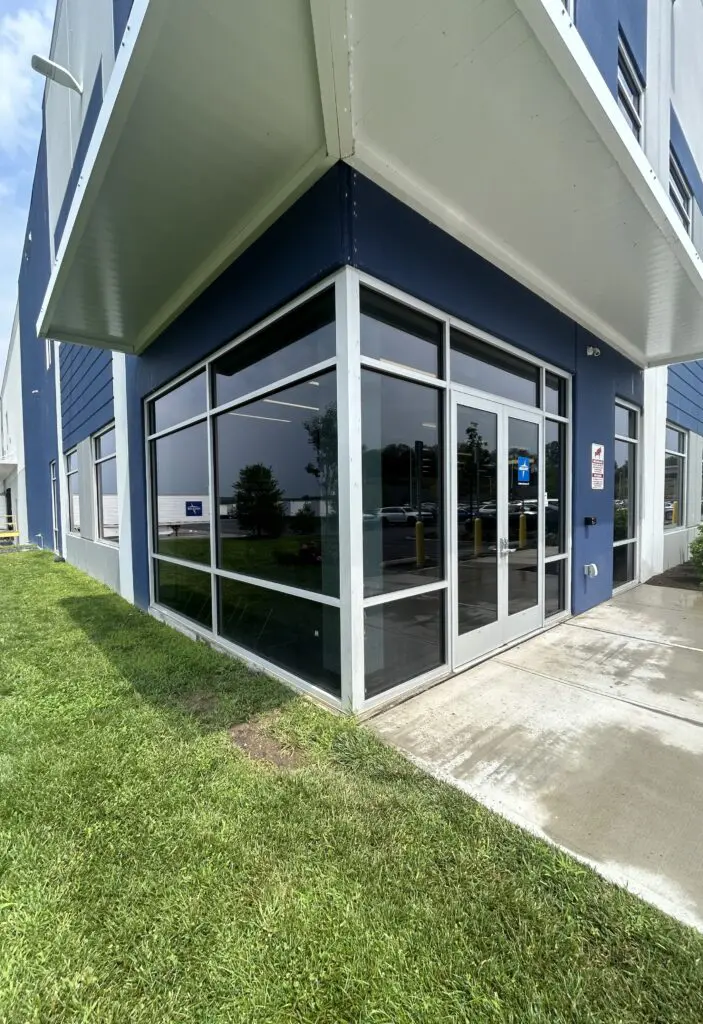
[255,741]
[682,577]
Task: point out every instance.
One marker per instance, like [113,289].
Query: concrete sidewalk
[590,735]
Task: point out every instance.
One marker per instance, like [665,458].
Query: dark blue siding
[598,22]
[685,157]
[685,396]
[121,10]
[86,392]
[38,390]
[91,116]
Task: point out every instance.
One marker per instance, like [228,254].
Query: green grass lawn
[151,871]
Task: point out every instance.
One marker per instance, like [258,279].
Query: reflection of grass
[151,871]
[272,558]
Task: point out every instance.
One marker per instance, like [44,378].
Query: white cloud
[23,31]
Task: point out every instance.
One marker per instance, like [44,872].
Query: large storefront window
[246,490]
[625,500]
[675,479]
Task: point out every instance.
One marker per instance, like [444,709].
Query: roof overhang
[491,119]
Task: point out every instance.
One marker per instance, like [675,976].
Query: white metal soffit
[489,117]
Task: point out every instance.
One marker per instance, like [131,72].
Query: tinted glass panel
[674,467]
[625,497]
[300,636]
[675,441]
[105,444]
[555,488]
[477,482]
[625,422]
[277,486]
[397,334]
[304,337]
[623,564]
[186,591]
[106,479]
[74,505]
[555,394]
[523,514]
[402,483]
[182,505]
[72,462]
[490,369]
[554,588]
[187,400]
[403,640]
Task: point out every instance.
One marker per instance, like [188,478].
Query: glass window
[277,486]
[523,516]
[625,422]
[304,337]
[402,458]
[554,588]
[185,401]
[300,636]
[106,486]
[674,471]
[397,334]
[403,640]
[680,192]
[630,90]
[74,501]
[555,394]
[675,478]
[555,488]
[181,494]
[186,591]
[623,564]
[625,525]
[476,512]
[482,366]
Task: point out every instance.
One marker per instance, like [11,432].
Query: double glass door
[498,525]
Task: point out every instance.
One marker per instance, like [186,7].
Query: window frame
[630,84]
[680,192]
[69,473]
[54,483]
[682,454]
[633,541]
[97,462]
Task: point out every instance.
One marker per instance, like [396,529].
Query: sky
[25,28]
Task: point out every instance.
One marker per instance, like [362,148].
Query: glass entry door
[498,525]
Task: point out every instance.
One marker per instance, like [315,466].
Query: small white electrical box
[591,569]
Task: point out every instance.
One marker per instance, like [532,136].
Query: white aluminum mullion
[350,502]
[214,503]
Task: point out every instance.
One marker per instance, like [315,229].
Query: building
[412,294]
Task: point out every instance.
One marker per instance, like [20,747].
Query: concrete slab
[590,737]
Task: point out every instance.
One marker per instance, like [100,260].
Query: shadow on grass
[171,670]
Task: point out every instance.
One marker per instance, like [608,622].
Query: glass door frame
[479,643]
[635,541]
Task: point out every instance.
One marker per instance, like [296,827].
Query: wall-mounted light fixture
[55,73]
[593,350]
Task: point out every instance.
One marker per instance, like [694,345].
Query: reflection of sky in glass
[184,402]
[181,461]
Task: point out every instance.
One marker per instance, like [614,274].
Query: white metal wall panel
[687,76]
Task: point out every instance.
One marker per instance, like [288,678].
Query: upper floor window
[630,91]
[680,192]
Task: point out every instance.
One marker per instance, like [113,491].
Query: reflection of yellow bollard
[478,537]
[675,514]
[522,537]
[420,543]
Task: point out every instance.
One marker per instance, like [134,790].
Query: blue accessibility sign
[194,508]
[523,469]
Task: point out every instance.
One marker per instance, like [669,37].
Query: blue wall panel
[685,157]
[599,21]
[685,396]
[121,10]
[86,392]
[91,116]
[38,383]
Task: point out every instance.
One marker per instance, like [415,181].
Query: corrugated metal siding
[86,392]
[685,398]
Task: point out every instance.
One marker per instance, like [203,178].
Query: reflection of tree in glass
[392,474]
[257,501]
[552,459]
[474,459]
[304,520]
[322,435]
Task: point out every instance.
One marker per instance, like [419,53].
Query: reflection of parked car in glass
[396,514]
